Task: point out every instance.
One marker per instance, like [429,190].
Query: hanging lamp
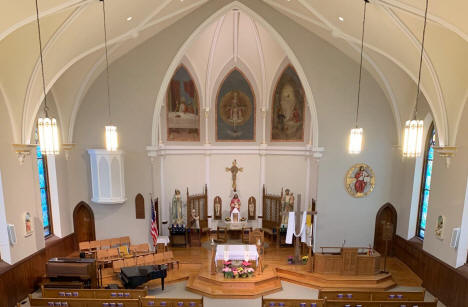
[413,135]
[112,142]
[355,136]
[46,126]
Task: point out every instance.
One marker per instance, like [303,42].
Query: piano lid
[71,260]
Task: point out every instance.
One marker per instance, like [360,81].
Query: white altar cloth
[236,252]
[235,225]
[163,239]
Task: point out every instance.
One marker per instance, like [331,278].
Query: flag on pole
[154,226]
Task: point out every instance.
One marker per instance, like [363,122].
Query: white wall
[333,77]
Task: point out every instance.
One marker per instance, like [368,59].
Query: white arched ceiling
[392,43]
[222,55]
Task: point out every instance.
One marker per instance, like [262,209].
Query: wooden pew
[170,302]
[95,293]
[345,295]
[408,304]
[351,303]
[398,296]
[293,303]
[83,302]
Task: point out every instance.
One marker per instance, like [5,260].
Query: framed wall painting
[360,180]
[439,229]
[288,108]
[235,109]
[183,108]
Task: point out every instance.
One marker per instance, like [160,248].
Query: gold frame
[349,180]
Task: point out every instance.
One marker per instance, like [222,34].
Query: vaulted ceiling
[73,38]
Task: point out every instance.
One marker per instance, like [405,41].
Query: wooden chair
[125,241]
[245,234]
[221,234]
[142,249]
[140,260]
[114,254]
[94,245]
[84,246]
[102,255]
[105,244]
[148,259]
[130,262]
[117,265]
[160,248]
[124,252]
[115,242]
[158,259]
[170,260]
[255,235]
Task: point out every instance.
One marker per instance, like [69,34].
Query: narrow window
[426,183]
[44,188]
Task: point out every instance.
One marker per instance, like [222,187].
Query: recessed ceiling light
[341,18]
[129,18]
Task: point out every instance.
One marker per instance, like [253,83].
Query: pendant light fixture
[355,136]
[46,126]
[412,139]
[112,142]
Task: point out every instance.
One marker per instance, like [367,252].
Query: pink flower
[245,263]
[227,270]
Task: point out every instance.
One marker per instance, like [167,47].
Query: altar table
[236,252]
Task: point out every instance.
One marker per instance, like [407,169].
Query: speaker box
[455,237]
[11,233]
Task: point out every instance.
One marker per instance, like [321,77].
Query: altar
[235,253]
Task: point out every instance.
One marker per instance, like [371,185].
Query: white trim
[5,248]
[10,114]
[207,149]
[235,36]
[420,13]
[458,122]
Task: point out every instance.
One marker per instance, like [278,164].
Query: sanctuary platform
[217,286]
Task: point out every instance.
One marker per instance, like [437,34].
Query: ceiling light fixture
[47,127]
[129,18]
[413,135]
[112,142]
[355,136]
[341,18]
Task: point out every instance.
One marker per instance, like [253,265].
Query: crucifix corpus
[300,228]
[234,169]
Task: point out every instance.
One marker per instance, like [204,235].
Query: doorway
[386,214]
[83,222]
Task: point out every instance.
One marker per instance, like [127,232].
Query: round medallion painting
[235,108]
[360,180]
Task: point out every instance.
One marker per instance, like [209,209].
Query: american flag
[154,226]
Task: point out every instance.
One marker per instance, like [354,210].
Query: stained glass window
[426,183]
[44,191]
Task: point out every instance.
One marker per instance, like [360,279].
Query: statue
[177,217]
[287,205]
[195,220]
[234,169]
[251,207]
[235,203]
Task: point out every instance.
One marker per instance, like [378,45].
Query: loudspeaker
[387,232]
[455,237]
[11,233]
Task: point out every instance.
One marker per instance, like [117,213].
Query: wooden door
[386,214]
[83,222]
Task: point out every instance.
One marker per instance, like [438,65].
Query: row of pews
[333,298]
[106,298]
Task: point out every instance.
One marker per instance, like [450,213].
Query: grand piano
[135,276]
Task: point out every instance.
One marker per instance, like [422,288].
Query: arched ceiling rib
[392,43]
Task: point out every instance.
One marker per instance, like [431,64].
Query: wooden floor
[194,262]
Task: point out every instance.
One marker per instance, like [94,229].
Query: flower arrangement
[305,259]
[243,271]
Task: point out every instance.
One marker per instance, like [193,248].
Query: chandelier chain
[107,62]
[360,65]
[421,60]
[46,108]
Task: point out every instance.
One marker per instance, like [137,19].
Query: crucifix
[234,169]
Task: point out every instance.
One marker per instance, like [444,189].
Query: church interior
[217,153]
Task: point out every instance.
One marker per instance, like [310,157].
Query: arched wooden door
[83,222]
[386,214]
